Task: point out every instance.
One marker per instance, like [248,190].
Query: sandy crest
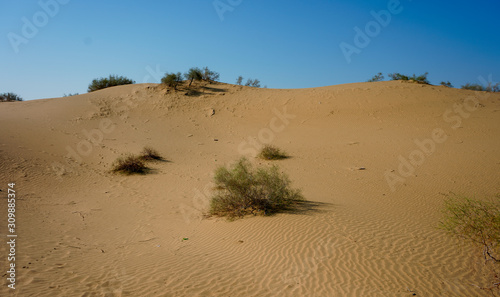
[86,232]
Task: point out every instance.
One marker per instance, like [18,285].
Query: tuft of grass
[150,154]
[242,190]
[269,152]
[130,165]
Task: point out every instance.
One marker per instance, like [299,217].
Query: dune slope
[376,159]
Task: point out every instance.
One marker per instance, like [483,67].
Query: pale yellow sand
[85,232]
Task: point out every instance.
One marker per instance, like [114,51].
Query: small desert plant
[422,79]
[106,82]
[150,154]
[209,75]
[130,165]
[193,73]
[477,222]
[253,83]
[9,97]
[242,190]
[172,79]
[69,95]
[446,84]
[239,80]
[477,87]
[269,152]
[473,87]
[378,77]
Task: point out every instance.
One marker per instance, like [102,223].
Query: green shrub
[446,84]
[209,75]
[150,154]
[242,190]
[473,87]
[253,83]
[422,79]
[378,77]
[172,79]
[69,95]
[477,222]
[106,82]
[269,152]
[477,87]
[9,97]
[193,73]
[130,165]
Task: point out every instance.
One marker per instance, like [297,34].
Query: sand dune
[83,231]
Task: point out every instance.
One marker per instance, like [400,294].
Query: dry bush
[130,165]
[269,152]
[242,190]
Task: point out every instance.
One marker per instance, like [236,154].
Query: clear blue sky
[285,44]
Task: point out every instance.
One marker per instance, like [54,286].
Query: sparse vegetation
[421,79]
[239,80]
[209,75]
[477,87]
[253,83]
[378,77]
[269,152]
[150,154]
[446,84]
[172,79]
[69,95]
[242,190]
[479,223]
[106,82]
[9,97]
[130,165]
[193,73]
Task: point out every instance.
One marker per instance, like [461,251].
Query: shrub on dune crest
[242,190]
[172,79]
[378,77]
[9,97]
[446,84]
[106,82]
[421,79]
[477,87]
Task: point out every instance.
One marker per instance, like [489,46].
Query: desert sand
[83,231]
